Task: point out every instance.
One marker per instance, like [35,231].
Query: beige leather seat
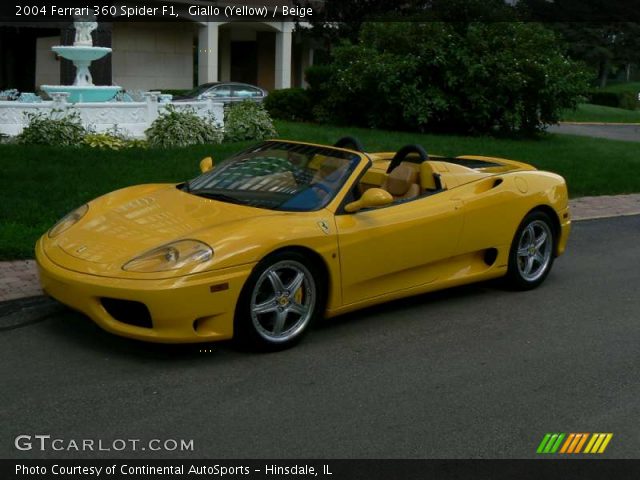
[328,167]
[427,178]
[402,183]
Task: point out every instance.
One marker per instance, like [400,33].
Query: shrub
[627,100]
[113,139]
[475,78]
[104,140]
[175,128]
[58,128]
[318,77]
[137,143]
[247,121]
[291,104]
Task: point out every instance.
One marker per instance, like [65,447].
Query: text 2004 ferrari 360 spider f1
[286,232]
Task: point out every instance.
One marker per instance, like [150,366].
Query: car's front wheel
[532,251]
[281,298]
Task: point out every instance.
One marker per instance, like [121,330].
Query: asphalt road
[473,372]
[629,133]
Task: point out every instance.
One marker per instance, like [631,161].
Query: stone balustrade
[131,118]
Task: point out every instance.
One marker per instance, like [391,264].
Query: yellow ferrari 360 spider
[285,232]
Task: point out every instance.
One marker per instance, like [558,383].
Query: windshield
[278,176]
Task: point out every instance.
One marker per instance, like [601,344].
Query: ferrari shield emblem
[324,226]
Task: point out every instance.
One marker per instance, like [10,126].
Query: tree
[341,20]
[486,77]
[598,33]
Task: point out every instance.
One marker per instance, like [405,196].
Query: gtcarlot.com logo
[45,443]
[573,443]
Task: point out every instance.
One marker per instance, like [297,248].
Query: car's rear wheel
[282,297]
[532,251]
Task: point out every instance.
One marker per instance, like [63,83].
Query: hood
[128,222]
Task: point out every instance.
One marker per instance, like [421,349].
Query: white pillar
[208,53]
[283,59]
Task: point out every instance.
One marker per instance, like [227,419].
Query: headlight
[68,221]
[171,257]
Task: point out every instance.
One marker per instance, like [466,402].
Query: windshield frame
[358,162]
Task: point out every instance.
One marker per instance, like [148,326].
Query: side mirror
[374,197]
[206,164]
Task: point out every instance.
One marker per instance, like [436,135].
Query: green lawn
[587,112]
[41,184]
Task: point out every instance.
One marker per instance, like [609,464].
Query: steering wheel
[404,152]
[351,143]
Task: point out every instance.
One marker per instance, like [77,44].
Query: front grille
[128,311]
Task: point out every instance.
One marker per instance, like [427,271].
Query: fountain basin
[88,94]
[81,53]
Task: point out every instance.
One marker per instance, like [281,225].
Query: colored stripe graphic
[598,443]
[604,445]
[568,442]
[543,443]
[555,447]
[573,443]
[550,443]
[572,448]
[581,443]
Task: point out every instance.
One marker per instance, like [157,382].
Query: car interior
[408,174]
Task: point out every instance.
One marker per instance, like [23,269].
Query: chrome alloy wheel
[283,301]
[535,248]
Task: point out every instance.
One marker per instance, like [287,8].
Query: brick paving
[588,208]
[19,279]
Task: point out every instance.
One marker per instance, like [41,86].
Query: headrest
[328,166]
[400,180]
[427,179]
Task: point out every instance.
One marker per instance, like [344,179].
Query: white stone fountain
[82,53]
[91,102]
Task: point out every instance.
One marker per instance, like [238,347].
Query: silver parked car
[225,92]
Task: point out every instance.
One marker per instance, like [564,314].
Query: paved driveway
[613,132]
[471,372]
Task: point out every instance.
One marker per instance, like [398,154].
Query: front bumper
[191,308]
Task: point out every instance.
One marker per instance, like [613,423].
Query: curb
[605,215]
[25,311]
[602,124]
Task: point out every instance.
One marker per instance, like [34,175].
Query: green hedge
[318,78]
[626,100]
[292,104]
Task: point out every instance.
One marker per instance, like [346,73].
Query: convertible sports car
[286,232]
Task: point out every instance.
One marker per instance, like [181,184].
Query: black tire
[281,325]
[539,260]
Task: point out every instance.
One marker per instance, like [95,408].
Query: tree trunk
[604,72]
[628,72]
